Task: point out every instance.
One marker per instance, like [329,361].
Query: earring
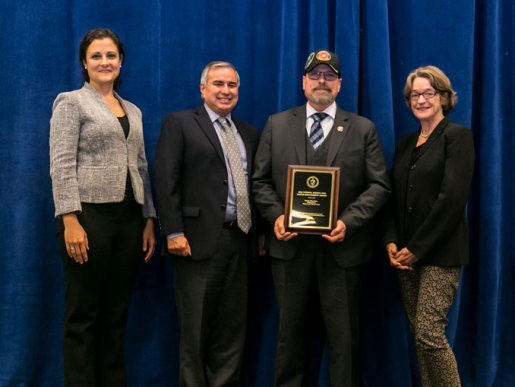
[120,66]
[85,68]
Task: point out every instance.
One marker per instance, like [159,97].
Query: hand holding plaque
[311,199]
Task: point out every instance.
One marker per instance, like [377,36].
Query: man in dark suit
[203,163]
[320,134]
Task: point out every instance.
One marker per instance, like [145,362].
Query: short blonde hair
[439,82]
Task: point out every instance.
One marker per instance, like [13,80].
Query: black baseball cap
[322,57]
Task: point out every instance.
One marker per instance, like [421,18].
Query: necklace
[424,135]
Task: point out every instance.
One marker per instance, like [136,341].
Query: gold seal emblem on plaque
[312,182]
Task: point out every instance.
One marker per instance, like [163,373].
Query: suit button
[222,206]
[413,166]
[410,187]
[410,210]
[225,182]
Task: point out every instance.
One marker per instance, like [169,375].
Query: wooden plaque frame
[311,199]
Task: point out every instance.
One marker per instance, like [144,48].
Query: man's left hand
[338,233]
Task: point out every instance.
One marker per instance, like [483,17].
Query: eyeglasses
[428,94]
[328,76]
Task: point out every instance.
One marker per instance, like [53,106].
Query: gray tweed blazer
[89,155]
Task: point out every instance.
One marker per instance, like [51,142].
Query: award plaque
[311,199]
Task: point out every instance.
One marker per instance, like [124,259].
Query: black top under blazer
[430,191]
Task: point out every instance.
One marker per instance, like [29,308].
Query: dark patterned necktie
[238,175]
[316,136]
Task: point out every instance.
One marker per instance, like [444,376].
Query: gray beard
[321,99]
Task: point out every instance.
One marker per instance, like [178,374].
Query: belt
[230,225]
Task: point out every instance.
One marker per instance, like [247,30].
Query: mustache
[323,87]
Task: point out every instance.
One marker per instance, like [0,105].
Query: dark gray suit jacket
[364,184]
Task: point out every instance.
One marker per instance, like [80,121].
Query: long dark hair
[98,34]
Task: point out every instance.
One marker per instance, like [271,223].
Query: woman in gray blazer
[427,238]
[104,208]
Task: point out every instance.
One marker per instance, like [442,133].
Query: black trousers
[98,292]
[313,271]
[211,298]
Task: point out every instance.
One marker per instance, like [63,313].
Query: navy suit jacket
[191,178]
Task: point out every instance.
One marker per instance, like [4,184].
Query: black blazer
[191,178]
[364,185]
[427,208]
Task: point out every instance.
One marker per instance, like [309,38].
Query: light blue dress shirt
[327,123]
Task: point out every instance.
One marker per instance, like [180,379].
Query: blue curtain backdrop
[167,44]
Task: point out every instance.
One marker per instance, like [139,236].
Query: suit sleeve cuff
[174,235]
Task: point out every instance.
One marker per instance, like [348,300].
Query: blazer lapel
[108,113]
[298,133]
[246,140]
[433,137]
[207,127]
[405,160]
[339,132]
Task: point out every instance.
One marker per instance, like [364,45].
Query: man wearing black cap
[320,134]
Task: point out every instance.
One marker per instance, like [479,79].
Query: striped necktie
[316,136]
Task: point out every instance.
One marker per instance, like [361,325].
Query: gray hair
[203,77]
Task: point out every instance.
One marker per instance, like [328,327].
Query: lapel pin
[339,129]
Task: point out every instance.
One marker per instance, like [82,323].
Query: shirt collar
[214,116]
[330,110]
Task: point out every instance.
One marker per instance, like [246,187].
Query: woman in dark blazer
[105,212]
[427,235]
